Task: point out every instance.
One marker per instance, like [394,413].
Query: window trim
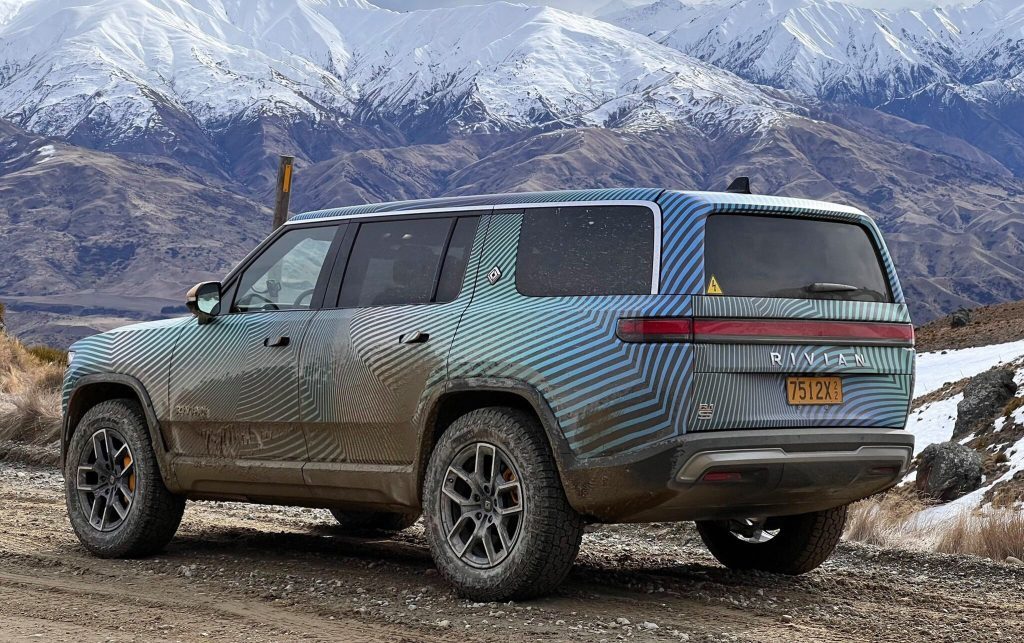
[332,294]
[655,263]
[229,286]
[504,207]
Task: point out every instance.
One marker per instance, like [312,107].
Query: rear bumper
[760,473]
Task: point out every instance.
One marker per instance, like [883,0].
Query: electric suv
[510,368]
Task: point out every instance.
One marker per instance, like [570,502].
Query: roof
[726,200]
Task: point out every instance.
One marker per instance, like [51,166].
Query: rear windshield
[765,256]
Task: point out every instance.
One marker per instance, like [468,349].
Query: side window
[285,275]
[599,250]
[454,271]
[393,263]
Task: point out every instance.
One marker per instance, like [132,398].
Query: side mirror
[203,301]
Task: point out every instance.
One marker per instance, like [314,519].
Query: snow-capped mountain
[138,138]
[838,51]
[106,71]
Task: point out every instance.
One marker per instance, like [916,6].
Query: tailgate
[803,325]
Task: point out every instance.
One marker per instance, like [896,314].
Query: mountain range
[138,140]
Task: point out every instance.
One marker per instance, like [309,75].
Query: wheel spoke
[484,454]
[109,443]
[508,511]
[460,548]
[463,501]
[82,485]
[119,509]
[492,556]
[98,445]
[502,536]
[95,518]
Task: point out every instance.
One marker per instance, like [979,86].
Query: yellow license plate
[814,390]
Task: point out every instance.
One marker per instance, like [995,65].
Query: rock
[1013,560]
[948,470]
[622,621]
[984,397]
[647,625]
[961,318]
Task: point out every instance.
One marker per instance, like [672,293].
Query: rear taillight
[656,329]
[764,331]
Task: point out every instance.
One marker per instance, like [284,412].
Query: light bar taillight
[764,331]
[656,329]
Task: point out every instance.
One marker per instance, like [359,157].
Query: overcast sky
[593,6]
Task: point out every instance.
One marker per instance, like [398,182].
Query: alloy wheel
[482,505]
[106,480]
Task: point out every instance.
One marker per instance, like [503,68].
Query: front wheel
[116,499]
[498,522]
[785,545]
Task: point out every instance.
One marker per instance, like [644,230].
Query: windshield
[792,257]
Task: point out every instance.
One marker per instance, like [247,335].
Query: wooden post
[284,191]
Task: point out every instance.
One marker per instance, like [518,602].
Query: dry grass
[29,403]
[996,534]
[892,520]
[883,520]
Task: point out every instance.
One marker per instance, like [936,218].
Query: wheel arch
[94,389]
[458,397]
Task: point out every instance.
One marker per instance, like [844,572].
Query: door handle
[415,337]
[274,342]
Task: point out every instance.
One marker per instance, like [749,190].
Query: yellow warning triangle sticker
[713,287]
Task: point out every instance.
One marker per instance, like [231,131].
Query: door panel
[234,382]
[232,396]
[364,369]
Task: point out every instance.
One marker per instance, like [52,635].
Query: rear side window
[791,257]
[599,250]
[412,261]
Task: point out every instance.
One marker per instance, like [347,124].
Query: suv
[511,368]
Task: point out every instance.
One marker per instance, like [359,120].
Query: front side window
[285,275]
[586,250]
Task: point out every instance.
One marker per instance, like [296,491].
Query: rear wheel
[117,501]
[784,545]
[497,519]
[377,520]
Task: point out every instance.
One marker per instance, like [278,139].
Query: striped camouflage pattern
[352,401]
[360,387]
[608,396]
[142,351]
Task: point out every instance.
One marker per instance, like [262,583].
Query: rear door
[801,324]
[400,291]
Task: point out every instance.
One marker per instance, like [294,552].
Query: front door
[367,361]
[234,389]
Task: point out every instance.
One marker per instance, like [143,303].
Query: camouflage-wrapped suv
[512,367]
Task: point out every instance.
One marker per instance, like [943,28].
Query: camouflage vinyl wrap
[346,389]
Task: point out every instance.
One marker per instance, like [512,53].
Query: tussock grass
[30,381]
[996,534]
[893,520]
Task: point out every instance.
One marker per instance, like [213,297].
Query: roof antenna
[739,185]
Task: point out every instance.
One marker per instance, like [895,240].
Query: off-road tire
[155,512]
[551,531]
[375,520]
[802,543]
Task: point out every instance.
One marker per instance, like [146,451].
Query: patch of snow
[44,153]
[937,368]
[933,422]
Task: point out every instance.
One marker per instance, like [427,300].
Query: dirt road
[237,572]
